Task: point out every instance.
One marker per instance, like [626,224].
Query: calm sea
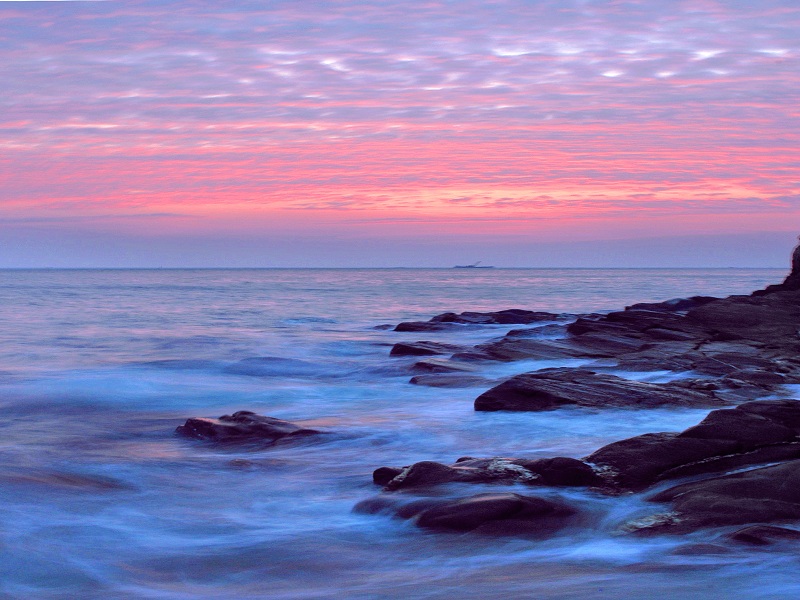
[101,500]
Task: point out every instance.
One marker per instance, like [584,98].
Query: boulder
[554,388]
[242,427]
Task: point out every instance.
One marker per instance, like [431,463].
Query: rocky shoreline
[739,466]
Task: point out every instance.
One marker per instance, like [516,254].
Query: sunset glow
[404,121]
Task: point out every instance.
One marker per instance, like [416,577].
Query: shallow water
[101,500]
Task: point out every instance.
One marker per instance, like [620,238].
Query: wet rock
[519,348]
[544,331]
[424,326]
[674,305]
[764,495]
[242,427]
[749,430]
[553,388]
[638,462]
[753,433]
[558,471]
[513,316]
[771,319]
[449,320]
[498,514]
[423,348]
[450,380]
[764,535]
[384,475]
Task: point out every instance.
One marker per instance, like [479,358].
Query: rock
[424,326]
[772,319]
[558,471]
[513,316]
[509,514]
[638,462]
[518,348]
[792,281]
[764,535]
[752,433]
[764,495]
[450,380]
[423,348]
[242,427]
[749,430]
[553,388]
[676,304]
[449,320]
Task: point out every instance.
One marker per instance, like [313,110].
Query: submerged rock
[450,380]
[242,427]
[553,388]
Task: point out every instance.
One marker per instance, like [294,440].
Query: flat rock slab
[492,514]
[549,389]
[242,427]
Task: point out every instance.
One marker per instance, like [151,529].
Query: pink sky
[348,133]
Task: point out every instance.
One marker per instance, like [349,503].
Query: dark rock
[423,348]
[772,319]
[450,320]
[497,514]
[676,304]
[561,471]
[553,388]
[513,316]
[764,535]
[637,462]
[242,427]
[558,471]
[424,326]
[730,462]
[384,475]
[545,331]
[792,281]
[783,412]
[749,430]
[450,380]
[764,495]
[518,348]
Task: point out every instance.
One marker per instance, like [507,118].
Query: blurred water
[100,499]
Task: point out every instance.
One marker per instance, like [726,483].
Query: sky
[345,133]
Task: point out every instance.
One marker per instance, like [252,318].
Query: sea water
[100,499]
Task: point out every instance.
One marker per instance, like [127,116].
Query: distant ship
[476,265]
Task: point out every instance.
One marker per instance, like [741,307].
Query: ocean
[100,499]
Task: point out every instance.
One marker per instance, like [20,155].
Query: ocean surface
[100,499]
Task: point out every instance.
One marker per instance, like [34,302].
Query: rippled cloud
[386,113]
